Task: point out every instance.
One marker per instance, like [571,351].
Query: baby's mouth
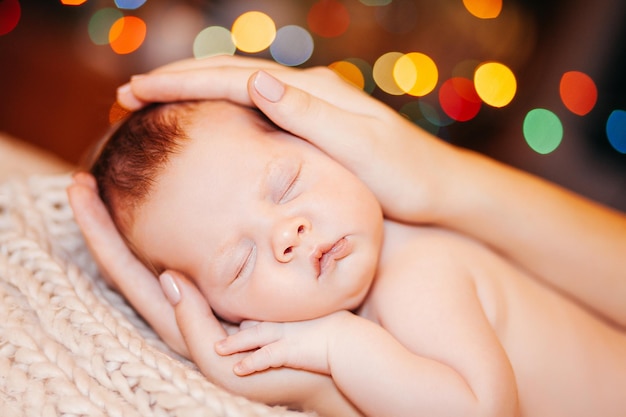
[325,257]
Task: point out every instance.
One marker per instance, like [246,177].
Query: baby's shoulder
[426,277]
[415,258]
[424,268]
[409,246]
[421,263]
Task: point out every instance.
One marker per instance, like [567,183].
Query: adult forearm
[572,243]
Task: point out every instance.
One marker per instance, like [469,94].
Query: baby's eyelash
[286,194]
[245,265]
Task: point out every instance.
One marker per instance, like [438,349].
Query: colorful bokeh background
[538,84]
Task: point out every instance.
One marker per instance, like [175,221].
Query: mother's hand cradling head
[398,161]
[119,266]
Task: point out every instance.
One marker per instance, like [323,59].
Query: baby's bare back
[567,361]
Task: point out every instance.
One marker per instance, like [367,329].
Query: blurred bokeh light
[10,12]
[328,18]
[214,40]
[535,83]
[495,84]
[578,92]
[484,9]
[253,32]
[543,130]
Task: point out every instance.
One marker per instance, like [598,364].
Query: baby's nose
[287,237]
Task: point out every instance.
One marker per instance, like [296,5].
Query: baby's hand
[299,345]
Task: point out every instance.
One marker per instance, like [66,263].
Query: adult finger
[345,135]
[117,262]
[198,325]
[194,84]
[192,79]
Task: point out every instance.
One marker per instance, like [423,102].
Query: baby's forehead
[224,112]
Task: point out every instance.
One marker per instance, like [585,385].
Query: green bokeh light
[543,130]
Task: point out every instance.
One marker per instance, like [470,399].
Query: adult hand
[119,267]
[418,178]
[398,161]
[181,316]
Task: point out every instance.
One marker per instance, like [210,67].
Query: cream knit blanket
[69,346]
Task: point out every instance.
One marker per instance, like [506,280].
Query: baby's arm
[437,355]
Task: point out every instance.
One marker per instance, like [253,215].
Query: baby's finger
[250,338]
[246,324]
[270,356]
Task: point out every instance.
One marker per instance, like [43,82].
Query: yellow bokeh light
[484,9]
[72,2]
[383,73]
[253,31]
[495,84]
[349,72]
[416,74]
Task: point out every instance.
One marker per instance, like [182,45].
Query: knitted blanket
[69,346]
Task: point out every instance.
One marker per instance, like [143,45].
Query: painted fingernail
[123,89]
[170,289]
[269,87]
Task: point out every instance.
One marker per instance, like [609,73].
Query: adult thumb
[196,322]
[305,115]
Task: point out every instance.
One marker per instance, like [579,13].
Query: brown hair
[133,156]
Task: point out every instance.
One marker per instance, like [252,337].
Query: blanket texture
[69,346]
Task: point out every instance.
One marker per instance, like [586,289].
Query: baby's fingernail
[169,287]
[268,86]
[239,369]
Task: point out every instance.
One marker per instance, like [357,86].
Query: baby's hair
[133,156]
[130,160]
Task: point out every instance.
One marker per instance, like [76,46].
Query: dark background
[57,86]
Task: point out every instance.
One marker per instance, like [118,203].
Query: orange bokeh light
[578,92]
[117,113]
[127,34]
[484,9]
[349,72]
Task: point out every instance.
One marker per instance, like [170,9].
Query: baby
[407,320]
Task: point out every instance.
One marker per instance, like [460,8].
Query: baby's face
[267,226]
